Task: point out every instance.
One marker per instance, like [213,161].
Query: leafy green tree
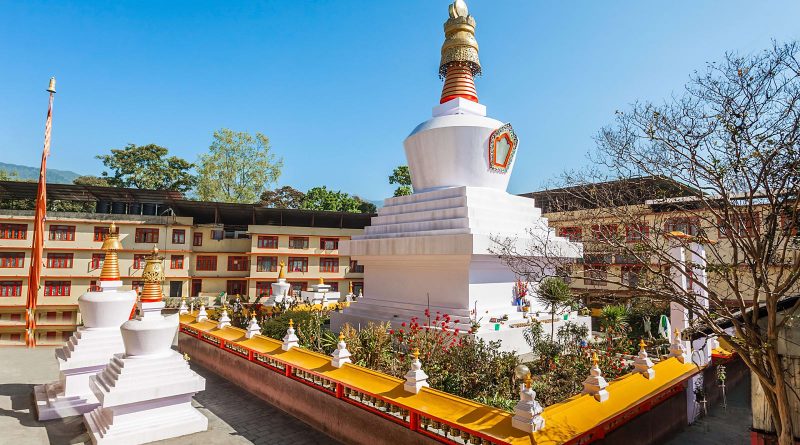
[238,167]
[6,175]
[402,177]
[91,180]
[555,295]
[147,167]
[366,206]
[286,197]
[614,318]
[320,198]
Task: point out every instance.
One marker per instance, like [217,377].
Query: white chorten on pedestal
[89,348]
[416,378]
[642,363]
[280,291]
[320,293]
[290,340]
[528,411]
[253,328]
[146,393]
[341,355]
[596,384]
[183,309]
[202,315]
[677,348]
[431,249]
[224,320]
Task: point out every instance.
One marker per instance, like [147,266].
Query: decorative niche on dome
[502,148]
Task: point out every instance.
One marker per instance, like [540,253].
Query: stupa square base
[53,403]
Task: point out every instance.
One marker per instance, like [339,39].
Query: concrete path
[234,416]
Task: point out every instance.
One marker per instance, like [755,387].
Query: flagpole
[37,247]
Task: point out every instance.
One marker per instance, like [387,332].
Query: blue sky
[337,85]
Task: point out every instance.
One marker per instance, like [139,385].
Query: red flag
[37,249]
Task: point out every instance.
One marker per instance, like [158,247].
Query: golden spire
[282,271]
[459,63]
[594,358]
[291,323]
[528,381]
[350,292]
[111,245]
[341,336]
[416,353]
[153,274]
[642,344]
[321,280]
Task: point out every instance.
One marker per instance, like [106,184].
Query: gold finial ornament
[642,344]
[111,245]
[459,63]
[153,275]
[321,280]
[282,271]
[291,323]
[594,358]
[341,336]
[416,353]
[350,291]
[528,381]
[52,87]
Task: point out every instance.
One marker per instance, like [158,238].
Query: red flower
[391,331]
[403,324]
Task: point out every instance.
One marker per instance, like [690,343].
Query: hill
[32,173]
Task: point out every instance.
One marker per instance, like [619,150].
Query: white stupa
[89,348]
[431,249]
[281,290]
[146,393]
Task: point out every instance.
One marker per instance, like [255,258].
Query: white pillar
[678,314]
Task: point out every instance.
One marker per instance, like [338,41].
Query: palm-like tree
[614,318]
[554,294]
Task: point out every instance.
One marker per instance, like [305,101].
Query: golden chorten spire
[153,274]
[460,63]
[111,245]
[282,271]
[642,344]
[321,280]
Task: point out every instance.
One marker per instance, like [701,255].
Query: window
[51,316]
[97,260]
[148,236]
[10,288]
[13,231]
[571,233]
[218,235]
[595,275]
[198,239]
[329,243]
[93,287]
[268,242]
[687,225]
[57,288]
[205,262]
[298,243]
[298,287]
[12,259]
[636,232]
[630,275]
[59,260]
[16,317]
[139,260]
[329,264]
[236,287]
[238,263]
[262,288]
[178,236]
[604,232]
[176,262]
[197,287]
[267,264]
[334,286]
[298,264]
[745,225]
[355,267]
[100,233]
[62,233]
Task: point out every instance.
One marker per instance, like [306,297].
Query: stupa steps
[492,202]
[518,214]
[118,429]
[475,225]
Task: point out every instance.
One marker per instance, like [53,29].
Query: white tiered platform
[86,353]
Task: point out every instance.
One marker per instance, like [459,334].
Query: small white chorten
[595,384]
[183,310]
[290,340]
[677,349]
[89,348]
[224,320]
[146,393]
[341,355]
[202,315]
[253,328]
[528,411]
[642,363]
[415,377]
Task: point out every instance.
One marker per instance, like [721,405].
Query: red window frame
[12,259]
[303,240]
[262,288]
[176,262]
[13,231]
[197,239]
[10,288]
[267,242]
[298,264]
[60,260]
[100,233]
[178,236]
[97,260]
[329,265]
[271,260]
[206,262]
[747,226]
[146,235]
[589,278]
[139,260]
[334,241]
[59,232]
[355,267]
[572,233]
[605,232]
[238,263]
[689,225]
[60,288]
[636,232]
[93,287]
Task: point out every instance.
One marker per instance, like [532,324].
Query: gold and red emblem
[502,148]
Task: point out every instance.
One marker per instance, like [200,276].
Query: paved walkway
[234,416]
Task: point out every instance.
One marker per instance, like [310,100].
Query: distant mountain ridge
[53,175]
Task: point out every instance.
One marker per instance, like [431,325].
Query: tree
[320,198]
[555,295]
[285,197]
[238,167]
[92,181]
[6,175]
[147,167]
[732,140]
[401,176]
